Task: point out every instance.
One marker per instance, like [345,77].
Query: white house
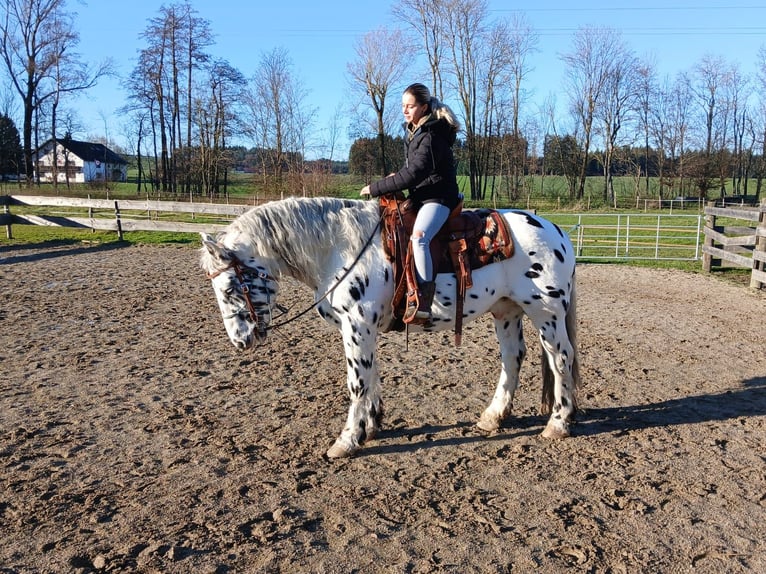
[79,162]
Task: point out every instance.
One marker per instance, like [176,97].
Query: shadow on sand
[748,401]
[53,249]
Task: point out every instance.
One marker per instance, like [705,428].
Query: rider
[430,176]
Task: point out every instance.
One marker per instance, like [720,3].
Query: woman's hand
[365,191]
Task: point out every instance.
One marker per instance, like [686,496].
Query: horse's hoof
[488,423]
[555,432]
[338,450]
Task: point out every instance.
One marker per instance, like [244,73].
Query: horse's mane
[296,232]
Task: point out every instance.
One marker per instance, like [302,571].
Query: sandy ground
[135,438]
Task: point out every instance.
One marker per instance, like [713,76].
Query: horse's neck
[316,246]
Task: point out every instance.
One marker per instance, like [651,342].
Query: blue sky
[319,37]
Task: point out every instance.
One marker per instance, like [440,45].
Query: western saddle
[468,240]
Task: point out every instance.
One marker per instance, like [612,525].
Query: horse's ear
[213,247]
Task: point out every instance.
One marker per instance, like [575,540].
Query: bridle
[241,271]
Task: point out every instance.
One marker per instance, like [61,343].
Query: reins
[337,283]
[239,267]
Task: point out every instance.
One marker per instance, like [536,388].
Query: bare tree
[36,41]
[523,43]
[215,113]
[589,67]
[277,117]
[759,123]
[646,95]
[382,58]
[616,106]
[711,75]
[425,17]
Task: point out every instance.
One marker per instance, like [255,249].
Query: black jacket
[429,172]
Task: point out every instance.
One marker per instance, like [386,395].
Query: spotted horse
[334,247]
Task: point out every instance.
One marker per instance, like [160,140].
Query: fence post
[707,258]
[119,223]
[760,245]
[7,212]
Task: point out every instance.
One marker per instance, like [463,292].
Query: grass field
[600,233]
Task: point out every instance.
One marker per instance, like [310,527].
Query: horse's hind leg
[510,335]
[363,381]
[559,377]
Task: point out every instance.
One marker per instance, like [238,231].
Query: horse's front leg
[510,335]
[363,380]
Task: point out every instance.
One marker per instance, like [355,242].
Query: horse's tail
[548,377]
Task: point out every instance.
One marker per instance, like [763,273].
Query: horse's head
[246,292]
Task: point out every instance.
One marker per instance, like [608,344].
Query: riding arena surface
[134,437]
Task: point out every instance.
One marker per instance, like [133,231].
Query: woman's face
[412,110]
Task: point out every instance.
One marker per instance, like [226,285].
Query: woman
[430,176]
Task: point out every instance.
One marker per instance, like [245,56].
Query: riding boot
[427,289]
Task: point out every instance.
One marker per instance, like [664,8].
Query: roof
[88,151]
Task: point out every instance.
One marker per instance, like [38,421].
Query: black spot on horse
[558,255]
[533,221]
[355,293]
[532,274]
[362,284]
[362,431]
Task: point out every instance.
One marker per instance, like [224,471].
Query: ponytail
[439,109]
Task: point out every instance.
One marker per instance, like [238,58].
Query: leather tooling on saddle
[468,241]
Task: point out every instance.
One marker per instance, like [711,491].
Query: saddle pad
[495,243]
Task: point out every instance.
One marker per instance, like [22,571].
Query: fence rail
[739,245]
[117,215]
[638,236]
[633,236]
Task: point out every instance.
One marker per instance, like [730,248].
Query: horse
[334,246]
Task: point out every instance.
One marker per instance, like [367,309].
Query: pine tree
[11,153]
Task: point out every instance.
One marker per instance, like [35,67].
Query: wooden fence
[737,245]
[741,246]
[116,215]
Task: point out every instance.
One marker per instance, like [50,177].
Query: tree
[589,68]
[425,18]
[214,113]
[163,84]
[382,58]
[277,119]
[523,42]
[646,93]
[618,101]
[36,37]
[11,152]
[759,124]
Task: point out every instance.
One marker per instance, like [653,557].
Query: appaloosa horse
[334,247]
